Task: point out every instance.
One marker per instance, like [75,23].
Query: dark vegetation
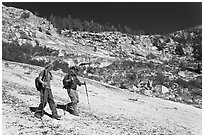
[191,37]
[127,73]
[70,23]
[25,15]
[24,54]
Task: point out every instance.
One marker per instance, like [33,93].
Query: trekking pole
[87,93]
[65,109]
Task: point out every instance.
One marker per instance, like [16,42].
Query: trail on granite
[113,111]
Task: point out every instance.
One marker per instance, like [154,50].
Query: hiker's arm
[40,78]
[78,82]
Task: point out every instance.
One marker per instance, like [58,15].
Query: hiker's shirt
[73,81]
[47,78]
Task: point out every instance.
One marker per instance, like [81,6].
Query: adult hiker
[70,83]
[46,93]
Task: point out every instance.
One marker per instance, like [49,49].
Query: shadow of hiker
[67,107]
[33,109]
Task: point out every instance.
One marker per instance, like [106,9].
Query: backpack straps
[43,75]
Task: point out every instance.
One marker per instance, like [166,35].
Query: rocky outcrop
[160,89]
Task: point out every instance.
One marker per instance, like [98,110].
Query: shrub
[151,56]
[179,50]
[150,65]
[14,52]
[91,70]
[48,33]
[131,76]
[37,62]
[181,83]
[195,83]
[23,53]
[60,65]
[160,79]
[25,15]
[190,84]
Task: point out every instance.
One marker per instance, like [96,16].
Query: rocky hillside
[166,66]
[138,114]
[21,27]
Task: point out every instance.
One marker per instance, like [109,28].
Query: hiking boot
[38,115]
[76,114]
[56,116]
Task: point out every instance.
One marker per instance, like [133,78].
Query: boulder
[71,62]
[147,92]
[169,96]
[18,35]
[161,89]
[134,89]
[39,34]
[182,74]
[33,43]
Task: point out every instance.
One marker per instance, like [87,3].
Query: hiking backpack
[66,84]
[38,84]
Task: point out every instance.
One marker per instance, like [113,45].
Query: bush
[123,85]
[151,56]
[195,84]
[60,65]
[190,84]
[160,79]
[14,52]
[91,70]
[150,65]
[182,83]
[23,53]
[37,63]
[48,33]
[131,76]
[25,15]
[179,50]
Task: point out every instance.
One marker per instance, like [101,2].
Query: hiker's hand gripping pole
[87,93]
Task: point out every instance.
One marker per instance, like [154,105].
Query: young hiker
[46,93]
[70,83]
